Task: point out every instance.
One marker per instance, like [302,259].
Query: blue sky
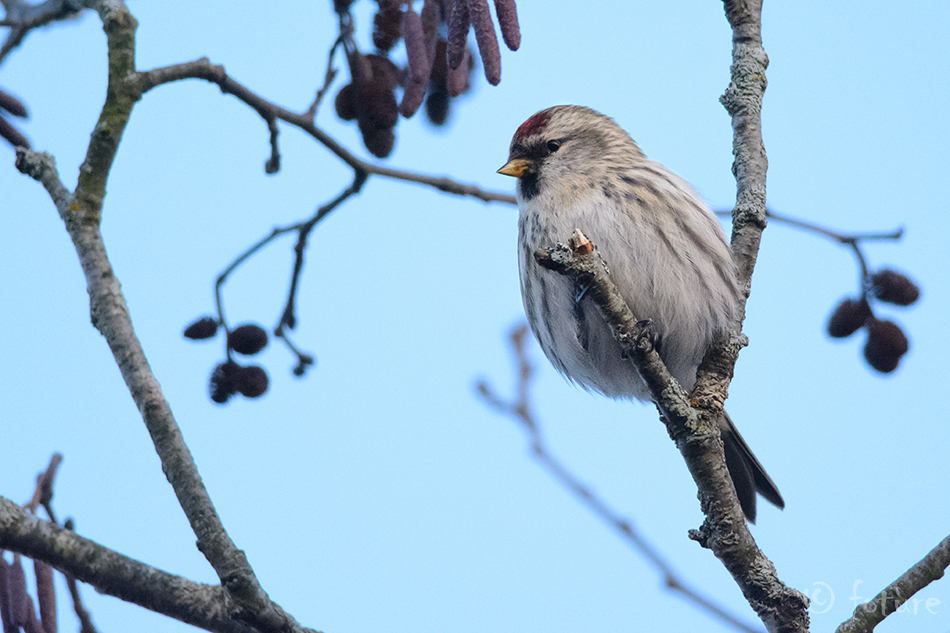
[379,493]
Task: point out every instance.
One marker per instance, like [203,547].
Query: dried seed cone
[385,74]
[848,317]
[885,345]
[252,381]
[223,382]
[378,115]
[203,328]
[386,26]
[893,287]
[247,339]
[380,142]
[346,102]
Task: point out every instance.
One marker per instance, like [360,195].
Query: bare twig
[851,240]
[288,317]
[836,236]
[45,485]
[85,620]
[328,78]
[43,492]
[22,17]
[204,69]
[930,568]
[520,409]
[45,589]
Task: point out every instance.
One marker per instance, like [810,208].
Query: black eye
[554,146]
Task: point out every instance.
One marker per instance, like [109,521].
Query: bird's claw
[648,335]
[581,287]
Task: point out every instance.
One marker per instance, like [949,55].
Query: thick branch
[690,428]
[119,26]
[200,605]
[110,315]
[780,607]
[695,431]
[930,568]
[743,102]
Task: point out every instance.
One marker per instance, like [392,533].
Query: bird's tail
[747,473]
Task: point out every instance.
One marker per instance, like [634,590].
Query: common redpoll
[664,248]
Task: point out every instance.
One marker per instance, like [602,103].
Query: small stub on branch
[580,244]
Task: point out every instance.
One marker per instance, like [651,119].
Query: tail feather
[748,475]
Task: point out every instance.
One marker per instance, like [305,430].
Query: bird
[663,247]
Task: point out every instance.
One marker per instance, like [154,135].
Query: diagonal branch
[81,212]
[204,69]
[696,434]
[22,17]
[204,606]
[521,411]
[930,568]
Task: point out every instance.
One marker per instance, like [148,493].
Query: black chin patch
[528,184]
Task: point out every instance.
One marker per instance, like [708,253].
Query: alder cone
[223,382]
[203,328]
[387,25]
[848,317]
[893,287]
[346,104]
[885,346]
[247,339]
[252,381]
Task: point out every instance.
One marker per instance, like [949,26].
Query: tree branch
[204,69]
[695,431]
[200,605]
[693,424]
[520,410]
[81,212]
[930,568]
[22,17]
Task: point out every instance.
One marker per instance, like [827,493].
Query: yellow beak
[516,167]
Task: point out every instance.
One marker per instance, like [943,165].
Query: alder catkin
[417,57]
[45,595]
[508,23]
[431,12]
[480,17]
[457,80]
[459,24]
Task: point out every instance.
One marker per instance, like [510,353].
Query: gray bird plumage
[664,249]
